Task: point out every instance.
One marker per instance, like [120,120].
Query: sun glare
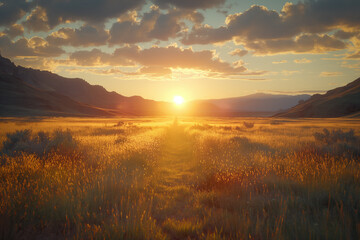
[178,100]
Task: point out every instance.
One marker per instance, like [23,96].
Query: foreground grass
[203,179]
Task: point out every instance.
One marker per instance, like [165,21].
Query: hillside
[81,91]
[338,102]
[259,104]
[18,98]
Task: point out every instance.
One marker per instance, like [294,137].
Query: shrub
[40,144]
[119,124]
[248,124]
[335,136]
[338,142]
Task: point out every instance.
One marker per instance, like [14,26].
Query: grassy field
[160,178]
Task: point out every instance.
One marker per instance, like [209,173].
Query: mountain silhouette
[338,102]
[75,89]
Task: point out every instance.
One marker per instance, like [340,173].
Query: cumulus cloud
[14,30]
[306,43]
[37,20]
[86,35]
[259,27]
[153,25]
[345,35]
[12,10]
[160,60]
[33,47]
[91,11]
[188,4]
[96,57]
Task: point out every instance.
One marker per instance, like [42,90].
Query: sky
[198,49]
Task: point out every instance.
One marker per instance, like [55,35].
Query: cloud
[14,30]
[355,66]
[90,11]
[148,71]
[306,43]
[188,4]
[160,59]
[279,62]
[33,47]
[303,60]
[43,63]
[289,73]
[330,74]
[355,55]
[345,35]
[12,10]
[153,25]
[37,20]
[96,57]
[239,52]
[86,35]
[259,28]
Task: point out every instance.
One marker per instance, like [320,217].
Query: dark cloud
[12,10]
[323,15]
[37,20]
[91,11]
[33,47]
[96,57]
[84,36]
[153,25]
[160,59]
[188,4]
[345,35]
[14,30]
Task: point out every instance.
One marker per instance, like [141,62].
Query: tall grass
[203,179]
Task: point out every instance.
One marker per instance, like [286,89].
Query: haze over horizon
[206,49]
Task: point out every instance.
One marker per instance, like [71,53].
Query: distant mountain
[259,104]
[81,91]
[338,102]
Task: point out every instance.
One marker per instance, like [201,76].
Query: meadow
[186,178]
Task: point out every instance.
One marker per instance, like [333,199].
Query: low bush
[40,144]
[335,136]
[338,142]
[248,124]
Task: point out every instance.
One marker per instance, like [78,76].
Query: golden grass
[208,178]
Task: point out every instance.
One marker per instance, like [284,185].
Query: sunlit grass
[207,178]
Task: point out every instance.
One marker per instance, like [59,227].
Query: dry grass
[197,179]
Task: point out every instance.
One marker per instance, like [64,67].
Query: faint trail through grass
[174,192]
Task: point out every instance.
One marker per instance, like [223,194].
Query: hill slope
[260,102]
[81,91]
[338,102]
[18,98]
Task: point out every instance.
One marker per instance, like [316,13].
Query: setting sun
[178,100]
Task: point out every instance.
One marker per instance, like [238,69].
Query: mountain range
[31,92]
